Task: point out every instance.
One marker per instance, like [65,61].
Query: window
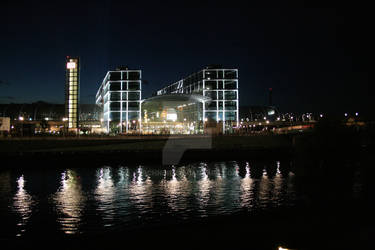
[134,75]
[220,105]
[134,86]
[210,116]
[210,84]
[115,96]
[230,116]
[133,96]
[220,84]
[115,76]
[230,74]
[133,105]
[115,86]
[211,106]
[114,116]
[211,94]
[210,74]
[230,95]
[220,74]
[220,95]
[230,85]
[114,106]
[133,116]
[230,105]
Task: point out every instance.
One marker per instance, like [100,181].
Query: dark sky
[315,59]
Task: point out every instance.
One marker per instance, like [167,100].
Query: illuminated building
[206,100]
[119,95]
[72,92]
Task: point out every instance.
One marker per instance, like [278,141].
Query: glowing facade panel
[120,97]
[72,92]
[220,85]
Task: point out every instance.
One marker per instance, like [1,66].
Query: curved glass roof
[174,100]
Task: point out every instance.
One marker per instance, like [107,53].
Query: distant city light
[356,113]
[346,114]
[321,115]
[20,118]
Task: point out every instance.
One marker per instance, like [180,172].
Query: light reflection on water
[69,201]
[23,204]
[90,200]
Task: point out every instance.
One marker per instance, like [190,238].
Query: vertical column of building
[72,92]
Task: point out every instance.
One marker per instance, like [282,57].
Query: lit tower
[72,92]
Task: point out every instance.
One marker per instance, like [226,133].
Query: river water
[85,201]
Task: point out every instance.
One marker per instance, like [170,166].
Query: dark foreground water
[74,203]
[85,201]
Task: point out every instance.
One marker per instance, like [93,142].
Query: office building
[205,100]
[119,95]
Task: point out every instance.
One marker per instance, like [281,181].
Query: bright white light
[172,117]
[267,122]
[20,118]
[321,115]
[346,114]
[356,114]
[71,65]
[46,119]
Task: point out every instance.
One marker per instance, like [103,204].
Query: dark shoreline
[154,157]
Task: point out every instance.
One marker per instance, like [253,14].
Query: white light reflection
[23,204]
[247,194]
[105,195]
[70,202]
[264,189]
[140,190]
[204,189]
[277,186]
[176,190]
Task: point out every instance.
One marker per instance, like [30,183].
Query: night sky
[316,60]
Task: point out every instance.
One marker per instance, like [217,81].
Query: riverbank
[168,150]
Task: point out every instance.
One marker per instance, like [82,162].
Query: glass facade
[219,85]
[208,98]
[120,97]
[72,92]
